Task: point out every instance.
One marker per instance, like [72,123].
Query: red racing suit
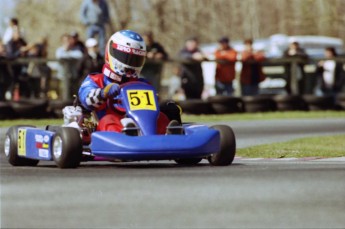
[109,119]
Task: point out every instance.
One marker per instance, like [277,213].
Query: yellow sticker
[141,100]
[22,142]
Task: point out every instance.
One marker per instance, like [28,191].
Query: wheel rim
[7,145]
[57,147]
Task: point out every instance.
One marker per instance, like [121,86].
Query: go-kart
[77,140]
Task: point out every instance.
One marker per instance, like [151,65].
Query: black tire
[11,148]
[6,111]
[258,103]
[227,151]
[30,108]
[196,106]
[188,161]
[340,102]
[317,103]
[67,147]
[226,104]
[290,103]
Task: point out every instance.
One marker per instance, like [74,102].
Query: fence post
[293,77]
[65,83]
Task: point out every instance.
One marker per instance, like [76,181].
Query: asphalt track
[252,193]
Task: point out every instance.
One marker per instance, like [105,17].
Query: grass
[325,146]
[264,116]
[205,118]
[35,122]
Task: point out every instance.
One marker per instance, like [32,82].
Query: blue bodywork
[35,143]
[141,105]
[200,141]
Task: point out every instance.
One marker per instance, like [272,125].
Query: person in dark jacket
[16,48]
[295,50]
[330,74]
[192,80]
[155,55]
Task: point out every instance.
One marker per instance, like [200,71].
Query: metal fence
[64,71]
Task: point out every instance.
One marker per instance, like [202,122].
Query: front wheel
[11,148]
[67,147]
[227,150]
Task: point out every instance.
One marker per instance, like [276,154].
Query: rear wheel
[227,151]
[11,148]
[67,147]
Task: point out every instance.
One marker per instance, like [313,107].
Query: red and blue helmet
[125,53]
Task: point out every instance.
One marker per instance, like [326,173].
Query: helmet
[125,54]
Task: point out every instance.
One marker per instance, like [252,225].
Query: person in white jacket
[13,26]
[69,56]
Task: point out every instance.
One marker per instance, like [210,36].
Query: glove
[111,90]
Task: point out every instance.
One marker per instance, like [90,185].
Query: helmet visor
[126,55]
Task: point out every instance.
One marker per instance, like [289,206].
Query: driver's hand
[110,91]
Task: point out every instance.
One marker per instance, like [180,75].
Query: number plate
[141,100]
[22,142]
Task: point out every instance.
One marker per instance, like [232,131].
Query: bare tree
[172,21]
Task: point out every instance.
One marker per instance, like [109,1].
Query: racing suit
[109,119]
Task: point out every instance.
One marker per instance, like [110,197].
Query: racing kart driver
[125,55]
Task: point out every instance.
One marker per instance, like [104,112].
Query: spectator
[13,25]
[15,48]
[4,73]
[251,74]
[295,50]
[330,74]
[155,52]
[70,56]
[39,72]
[191,73]
[76,42]
[95,14]
[175,91]
[92,61]
[225,71]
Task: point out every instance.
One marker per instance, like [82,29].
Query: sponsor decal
[38,138]
[46,138]
[40,145]
[43,153]
[129,50]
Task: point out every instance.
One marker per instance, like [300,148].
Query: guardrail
[69,68]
